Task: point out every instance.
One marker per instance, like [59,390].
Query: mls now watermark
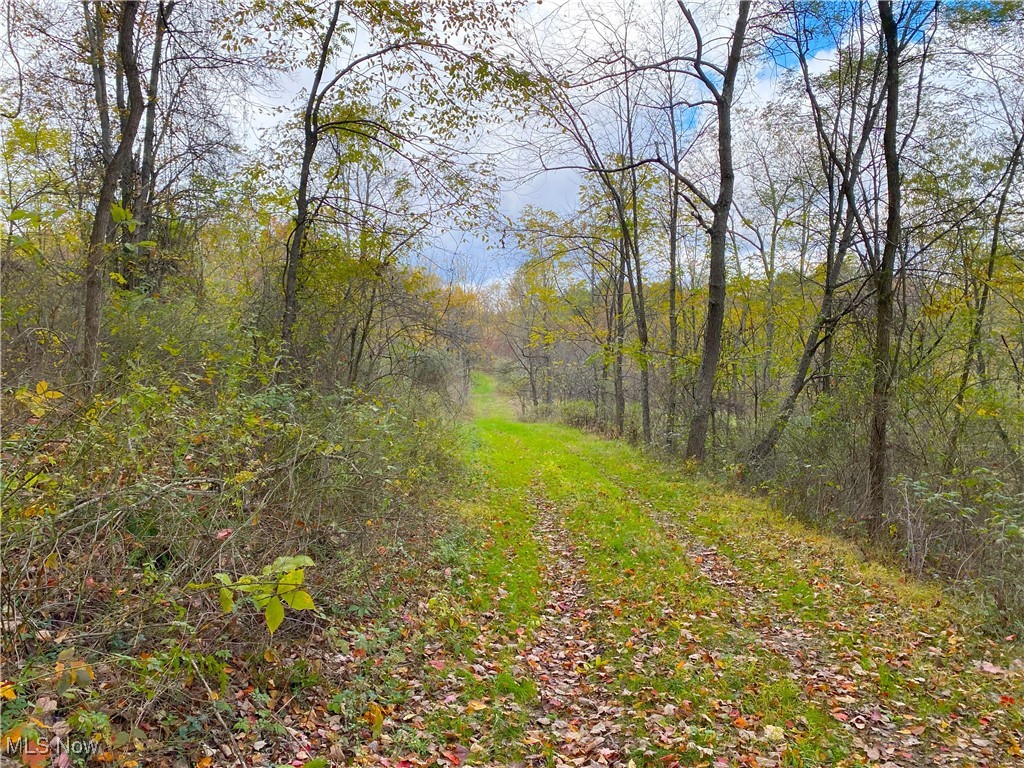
[53,747]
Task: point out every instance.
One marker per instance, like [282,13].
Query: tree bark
[147,175]
[620,333]
[673,318]
[94,31]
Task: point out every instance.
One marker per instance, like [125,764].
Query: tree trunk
[147,176]
[311,137]
[96,255]
[637,283]
[673,319]
[94,31]
[696,443]
[882,363]
[843,158]
[974,342]
[620,333]
[823,324]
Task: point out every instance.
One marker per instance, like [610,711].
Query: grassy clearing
[858,642]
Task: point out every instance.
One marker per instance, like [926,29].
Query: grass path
[604,610]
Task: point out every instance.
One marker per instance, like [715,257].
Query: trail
[612,612]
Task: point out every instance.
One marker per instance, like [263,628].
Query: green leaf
[299,599]
[286,564]
[274,614]
[227,600]
[291,581]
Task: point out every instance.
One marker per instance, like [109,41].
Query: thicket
[193,464]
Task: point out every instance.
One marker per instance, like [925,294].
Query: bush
[119,510]
[578,413]
[970,528]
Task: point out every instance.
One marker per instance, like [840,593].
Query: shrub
[189,470]
[578,413]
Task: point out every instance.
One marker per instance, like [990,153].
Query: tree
[112,173]
[720,207]
[845,106]
[404,40]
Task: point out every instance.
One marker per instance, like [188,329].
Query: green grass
[884,639]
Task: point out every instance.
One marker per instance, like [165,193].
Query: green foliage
[190,461]
[278,585]
[578,413]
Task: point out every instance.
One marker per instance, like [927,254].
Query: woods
[274,272]
[844,260]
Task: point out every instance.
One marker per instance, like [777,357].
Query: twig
[213,697]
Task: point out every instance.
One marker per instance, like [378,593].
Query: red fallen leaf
[223,533]
[841,716]
[437,664]
[1004,699]
[35,754]
[456,754]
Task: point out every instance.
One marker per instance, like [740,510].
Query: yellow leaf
[274,614]
[375,717]
[7,691]
[12,737]
[41,387]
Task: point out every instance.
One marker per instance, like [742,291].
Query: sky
[477,257]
